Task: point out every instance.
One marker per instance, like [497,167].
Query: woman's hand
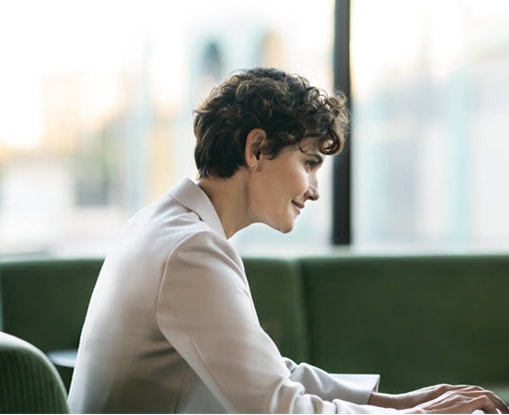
[442,399]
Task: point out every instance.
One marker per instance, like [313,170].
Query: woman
[171,325]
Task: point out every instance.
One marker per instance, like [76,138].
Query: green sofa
[415,319]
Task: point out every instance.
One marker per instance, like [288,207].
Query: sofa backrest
[415,320]
[44,301]
[276,286]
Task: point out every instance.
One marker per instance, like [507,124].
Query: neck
[229,199]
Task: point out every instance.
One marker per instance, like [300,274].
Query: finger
[488,406]
[499,403]
[479,396]
[504,409]
[474,390]
[462,401]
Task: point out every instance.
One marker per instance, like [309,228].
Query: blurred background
[96,101]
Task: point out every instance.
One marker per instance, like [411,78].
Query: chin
[285,228]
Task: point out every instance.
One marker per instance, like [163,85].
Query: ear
[255,141]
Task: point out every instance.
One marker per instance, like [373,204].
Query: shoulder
[173,233]
[202,245]
[205,263]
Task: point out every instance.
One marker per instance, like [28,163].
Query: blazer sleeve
[355,388]
[206,312]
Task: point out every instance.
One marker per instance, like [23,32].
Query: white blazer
[171,327]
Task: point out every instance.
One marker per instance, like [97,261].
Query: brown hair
[285,106]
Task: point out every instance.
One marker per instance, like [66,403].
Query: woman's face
[280,188]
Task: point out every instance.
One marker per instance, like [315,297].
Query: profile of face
[280,187]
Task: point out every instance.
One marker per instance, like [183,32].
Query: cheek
[301,181]
[289,185]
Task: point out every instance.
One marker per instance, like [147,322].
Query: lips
[298,205]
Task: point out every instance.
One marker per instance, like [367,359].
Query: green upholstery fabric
[415,320]
[276,287]
[28,381]
[44,301]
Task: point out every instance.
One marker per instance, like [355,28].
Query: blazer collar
[194,198]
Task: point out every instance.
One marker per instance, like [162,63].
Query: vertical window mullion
[341,197]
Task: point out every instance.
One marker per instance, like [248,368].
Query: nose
[312,192]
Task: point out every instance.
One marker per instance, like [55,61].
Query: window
[96,108]
[430,154]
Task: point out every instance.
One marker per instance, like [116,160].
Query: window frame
[341,180]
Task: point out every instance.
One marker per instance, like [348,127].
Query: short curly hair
[284,105]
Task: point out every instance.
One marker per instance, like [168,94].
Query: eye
[311,163]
